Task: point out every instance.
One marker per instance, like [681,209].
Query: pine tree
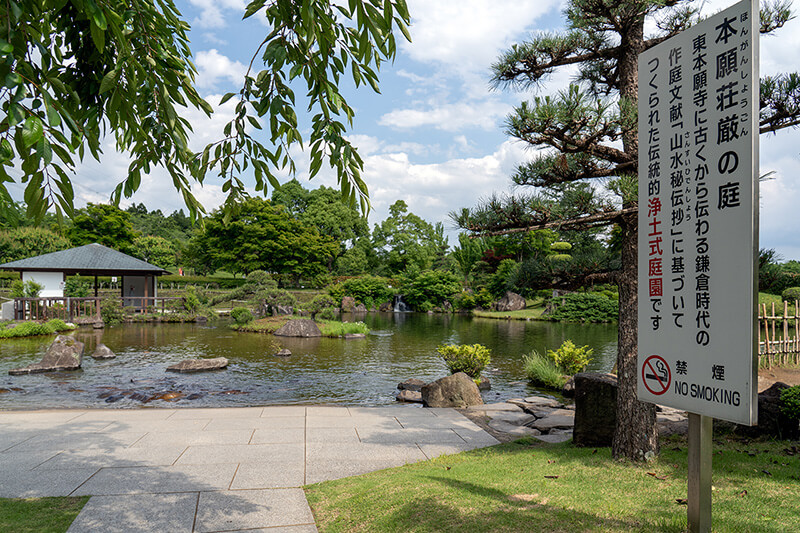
[590,133]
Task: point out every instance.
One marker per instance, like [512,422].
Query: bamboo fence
[778,335]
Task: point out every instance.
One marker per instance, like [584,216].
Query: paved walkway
[212,470]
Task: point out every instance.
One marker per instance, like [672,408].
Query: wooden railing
[88,309]
[778,335]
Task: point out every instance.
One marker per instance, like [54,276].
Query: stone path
[211,470]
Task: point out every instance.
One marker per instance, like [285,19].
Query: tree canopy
[71,71]
[589,132]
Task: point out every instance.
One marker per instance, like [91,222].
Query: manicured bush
[570,358]
[791,294]
[368,290]
[242,315]
[111,311]
[790,402]
[543,371]
[29,329]
[465,300]
[468,358]
[585,307]
[321,303]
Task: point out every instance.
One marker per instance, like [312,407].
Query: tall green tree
[70,71]
[104,224]
[24,242]
[262,236]
[405,241]
[589,132]
[155,250]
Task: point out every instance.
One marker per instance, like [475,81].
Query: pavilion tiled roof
[91,258]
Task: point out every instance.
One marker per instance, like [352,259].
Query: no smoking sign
[656,375]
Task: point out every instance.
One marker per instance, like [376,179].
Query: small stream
[320,371]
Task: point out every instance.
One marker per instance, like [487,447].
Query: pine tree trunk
[636,433]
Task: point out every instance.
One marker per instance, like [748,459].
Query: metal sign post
[698,231]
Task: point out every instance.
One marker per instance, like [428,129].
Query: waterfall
[399,305]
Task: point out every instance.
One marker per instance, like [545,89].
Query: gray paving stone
[114,457]
[248,509]
[409,436]
[476,437]
[389,412]
[129,415]
[143,513]
[337,435]
[495,407]
[156,426]
[29,418]
[283,410]
[513,429]
[333,421]
[268,475]
[157,479]
[25,459]
[56,441]
[323,410]
[11,438]
[318,471]
[41,483]
[337,452]
[188,438]
[213,412]
[240,453]
[227,424]
[278,436]
[519,418]
[308,528]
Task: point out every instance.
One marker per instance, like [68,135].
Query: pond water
[322,370]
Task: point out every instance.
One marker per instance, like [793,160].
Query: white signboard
[698,217]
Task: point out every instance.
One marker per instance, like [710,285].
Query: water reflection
[321,370]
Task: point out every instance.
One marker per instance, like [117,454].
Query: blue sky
[434,136]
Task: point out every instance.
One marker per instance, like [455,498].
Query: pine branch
[579,223]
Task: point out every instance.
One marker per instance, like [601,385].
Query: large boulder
[103,352]
[199,365]
[408,396]
[282,310]
[457,390]
[65,353]
[511,301]
[360,308]
[771,421]
[301,327]
[595,409]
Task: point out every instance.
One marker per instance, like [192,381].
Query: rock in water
[103,352]
[511,301]
[301,327]
[412,384]
[408,396]
[199,365]
[65,353]
[457,390]
[283,353]
[595,409]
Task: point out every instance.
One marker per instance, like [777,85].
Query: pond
[322,370]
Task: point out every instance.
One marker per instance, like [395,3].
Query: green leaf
[227,97]
[99,37]
[32,131]
[6,150]
[5,47]
[12,80]
[109,80]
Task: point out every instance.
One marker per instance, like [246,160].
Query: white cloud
[449,117]
[213,66]
[211,12]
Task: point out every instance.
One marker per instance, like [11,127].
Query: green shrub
[17,288]
[484,298]
[430,288]
[465,300]
[332,328]
[470,359]
[191,299]
[111,311]
[368,290]
[329,313]
[543,371]
[321,303]
[275,297]
[585,307]
[790,402]
[27,329]
[570,358]
[59,325]
[76,287]
[242,315]
[791,294]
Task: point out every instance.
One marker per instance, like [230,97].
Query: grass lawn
[532,486]
[533,311]
[39,515]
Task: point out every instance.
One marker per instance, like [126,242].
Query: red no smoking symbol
[656,375]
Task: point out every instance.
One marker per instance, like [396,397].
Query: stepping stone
[554,439]
[519,418]
[199,365]
[495,407]
[513,429]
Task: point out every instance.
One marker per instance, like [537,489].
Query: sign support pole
[699,496]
